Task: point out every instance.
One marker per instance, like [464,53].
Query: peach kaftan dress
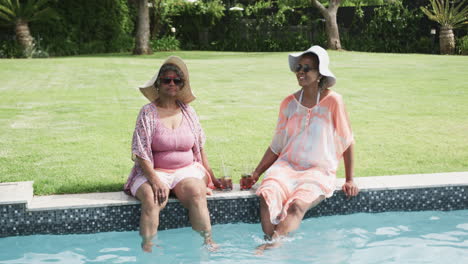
[309,143]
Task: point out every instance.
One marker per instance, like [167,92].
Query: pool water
[396,237]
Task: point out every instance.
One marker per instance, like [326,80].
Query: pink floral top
[147,126]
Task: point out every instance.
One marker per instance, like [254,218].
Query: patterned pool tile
[118,212]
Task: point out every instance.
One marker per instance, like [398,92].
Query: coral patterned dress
[309,143]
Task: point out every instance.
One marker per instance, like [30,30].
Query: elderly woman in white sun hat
[167,148]
[312,134]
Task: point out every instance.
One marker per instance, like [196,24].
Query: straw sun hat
[324,62]
[185,94]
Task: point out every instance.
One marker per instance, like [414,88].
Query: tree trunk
[143,30]
[333,33]
[447,40]
[331,24]
[23,35]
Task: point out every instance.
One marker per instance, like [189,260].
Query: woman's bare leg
[191,192]
[296,212]
[267,227]
[149,219]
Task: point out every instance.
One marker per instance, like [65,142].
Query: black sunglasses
[168,80]
[305,68]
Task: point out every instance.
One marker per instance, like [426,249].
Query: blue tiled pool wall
[16,220]
[423,199]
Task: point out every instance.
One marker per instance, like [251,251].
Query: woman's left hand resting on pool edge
[349,187]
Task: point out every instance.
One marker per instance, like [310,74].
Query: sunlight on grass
[67,123]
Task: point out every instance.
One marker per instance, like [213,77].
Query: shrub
[191,18]
[9,48]
[462,45]
[262,27]
[166,43]
[38,50]
[392,28]
[87,27]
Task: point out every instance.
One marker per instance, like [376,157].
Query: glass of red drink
[226,181]
[246,181]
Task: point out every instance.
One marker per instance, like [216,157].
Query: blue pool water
[397,237]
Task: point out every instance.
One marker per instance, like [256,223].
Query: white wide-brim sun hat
[185,95]
[324,62]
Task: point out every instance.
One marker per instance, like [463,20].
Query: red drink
[226,181]
[246,182]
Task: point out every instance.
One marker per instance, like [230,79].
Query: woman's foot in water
[271,242]
[147,246]
[208,241]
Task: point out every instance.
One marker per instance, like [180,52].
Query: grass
[67,123]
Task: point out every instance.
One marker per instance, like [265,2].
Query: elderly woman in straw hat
[312,134]
[168,152]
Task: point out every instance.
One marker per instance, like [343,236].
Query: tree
[142,38]
[158,18]
[449,16]
[20,14]
[331,24]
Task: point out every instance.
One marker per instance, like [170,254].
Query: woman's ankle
[207,236]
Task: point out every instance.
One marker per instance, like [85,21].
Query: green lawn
[67,123]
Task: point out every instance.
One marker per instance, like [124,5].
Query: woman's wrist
[349,178]
[210,172]
[255,175]
[153,180]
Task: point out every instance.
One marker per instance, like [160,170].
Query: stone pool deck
[22,213]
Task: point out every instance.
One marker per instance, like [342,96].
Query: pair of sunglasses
[305,68]
[168,80]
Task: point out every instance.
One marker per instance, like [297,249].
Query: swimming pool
[393,237]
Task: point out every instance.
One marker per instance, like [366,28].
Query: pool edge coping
[23,194]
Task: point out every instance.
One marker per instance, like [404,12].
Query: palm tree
[449,15]
[20,13]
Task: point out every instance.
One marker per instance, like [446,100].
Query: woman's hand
[160,191]
[255,176]
[247,181]
[350,188]
[206,164]
[216,183]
